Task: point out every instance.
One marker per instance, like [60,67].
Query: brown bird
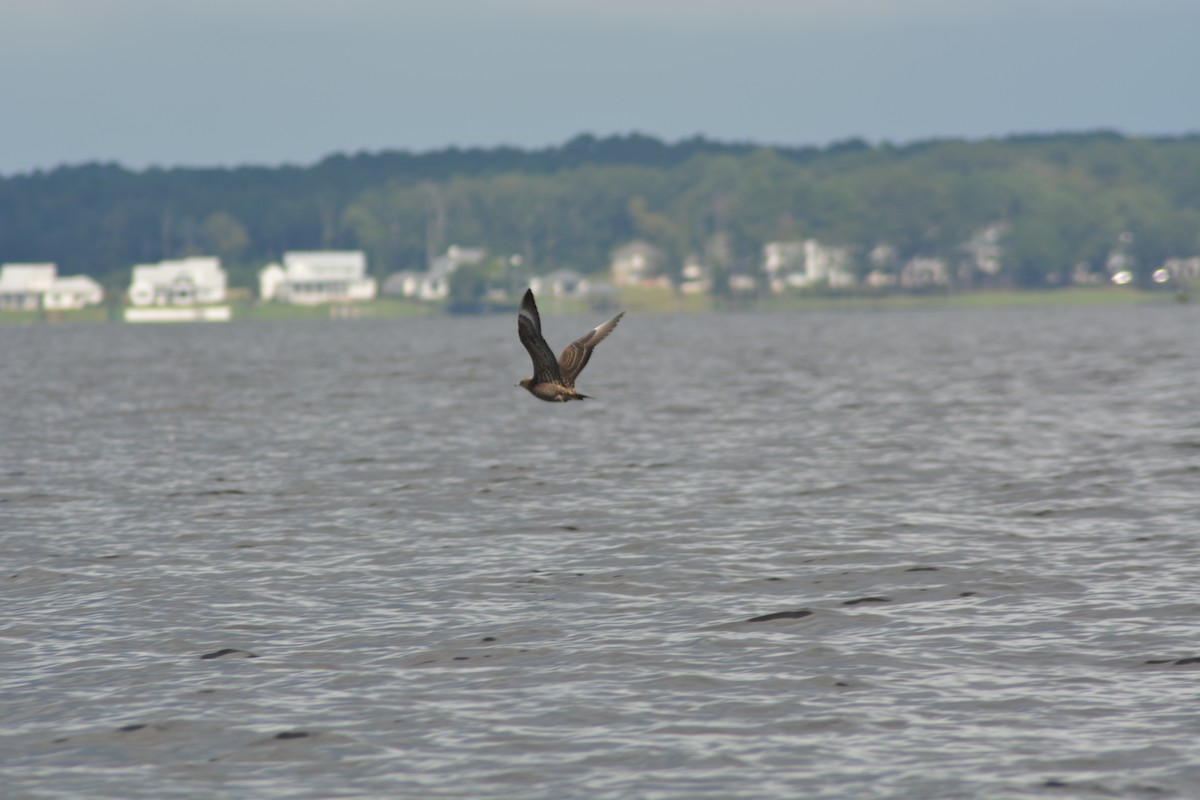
[554,381]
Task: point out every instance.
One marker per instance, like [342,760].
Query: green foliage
[1065,200]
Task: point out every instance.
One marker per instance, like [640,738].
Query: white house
[694,277]
[635,264]
[985,251]
[920,271]
[827,264]
[196,280]
[560,283]
[318,276]
[783,262]
[406,283]
[434,283]
[74,291]
[34,286]
[805,263]
[455,257]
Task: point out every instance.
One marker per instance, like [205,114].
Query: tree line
[1065,202]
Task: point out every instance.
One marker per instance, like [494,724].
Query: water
[454,590]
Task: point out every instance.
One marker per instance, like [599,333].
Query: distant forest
[1064,201]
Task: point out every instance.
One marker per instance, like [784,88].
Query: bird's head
[525,383]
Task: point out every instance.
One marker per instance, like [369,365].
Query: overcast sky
[228,82]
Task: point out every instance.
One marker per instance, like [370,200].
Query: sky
[232,82]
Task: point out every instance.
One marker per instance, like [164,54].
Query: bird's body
[554,380]
[552,392]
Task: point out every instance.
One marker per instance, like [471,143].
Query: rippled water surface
[985,524]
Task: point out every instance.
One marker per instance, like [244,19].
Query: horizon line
[452,147]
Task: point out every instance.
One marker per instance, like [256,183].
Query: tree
[1067,197]
[222,235]
[468,284]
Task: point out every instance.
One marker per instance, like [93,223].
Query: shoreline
[664,301]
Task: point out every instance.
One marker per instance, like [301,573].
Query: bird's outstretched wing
[529,329]
[575,357]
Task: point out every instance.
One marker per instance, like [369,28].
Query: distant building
[741,282]
[319,276]
[783,263]
[196,280]
[1183,269]
[406,283]
[878,279]
[827,264]
[806,263]
[455,257]
[434,283]
[694,277]
[985,249]
[24,286]
[74,291]
[920,272]
[1083,275]
[37,286]
[636,264]
[560,283]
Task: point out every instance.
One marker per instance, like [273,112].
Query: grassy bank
[663,301]
[243,310]
[1044,298]
[93,314]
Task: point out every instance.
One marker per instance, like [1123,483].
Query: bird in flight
[554,381]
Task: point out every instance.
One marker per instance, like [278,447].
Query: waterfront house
[38,286]
[560,283]
[922,272]
[196,280]
[429,286]
[636,264]
[433,284]
[405,283]
[694,278]
[319,276]
[805,263]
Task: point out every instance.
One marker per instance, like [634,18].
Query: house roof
[27,277]
[562,275]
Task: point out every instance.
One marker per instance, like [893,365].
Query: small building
[985,249]
[742,282]
[635,264]
[37,286]
[406,283]
[922,272]
[1183,269]
[433,284]
[455,257]
[560,283]
[827,264]
[805,263]
[694,278]
[23,286]
[878,279]
[196,280]
[783,263]
[318,276]
[73,291]
[427,286]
